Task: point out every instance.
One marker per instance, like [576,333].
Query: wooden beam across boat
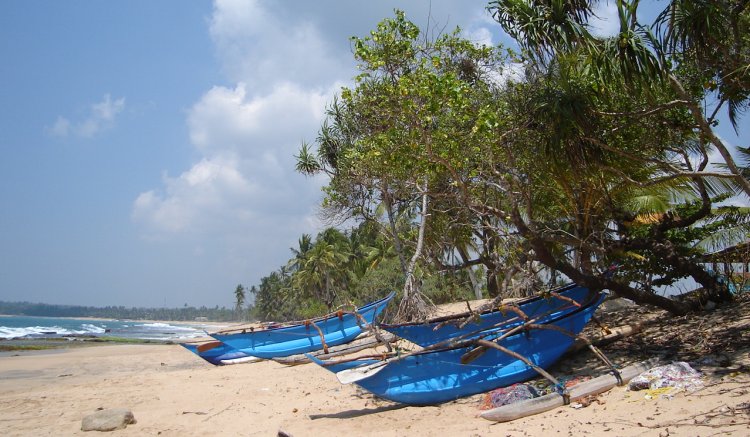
[367,341]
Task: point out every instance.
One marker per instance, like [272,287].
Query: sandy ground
[173,393]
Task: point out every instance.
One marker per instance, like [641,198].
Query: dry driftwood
[613,335]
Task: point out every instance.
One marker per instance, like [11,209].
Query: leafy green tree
[627,145]
[414,97]
[700,49]
[271,300]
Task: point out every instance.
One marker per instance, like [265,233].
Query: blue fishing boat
[216,354]
[333,329]
[443,328]
[434,376]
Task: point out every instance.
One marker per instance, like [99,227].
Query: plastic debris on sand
[667,380]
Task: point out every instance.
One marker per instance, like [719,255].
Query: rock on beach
[108,420]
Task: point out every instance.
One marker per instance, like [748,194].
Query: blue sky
[147,146]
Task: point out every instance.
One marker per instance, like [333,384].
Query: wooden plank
[367,342]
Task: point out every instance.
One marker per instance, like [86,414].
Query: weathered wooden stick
[516,355]
[335,351]
[538,405]
[322,337]
[615,335]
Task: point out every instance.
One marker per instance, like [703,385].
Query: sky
[147,147]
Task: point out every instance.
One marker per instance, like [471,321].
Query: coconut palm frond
[717,185]
[744,156]
[647,204]
[735,108]
[736,231]
[724,238]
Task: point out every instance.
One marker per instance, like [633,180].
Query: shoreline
[74,329]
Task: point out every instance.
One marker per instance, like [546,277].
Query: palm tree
[239,300]
[325,270]
[304,245]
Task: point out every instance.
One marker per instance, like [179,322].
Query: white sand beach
[172,392]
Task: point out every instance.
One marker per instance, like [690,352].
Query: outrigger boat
[443,328]
[491,359]
[301,337]
[218,353]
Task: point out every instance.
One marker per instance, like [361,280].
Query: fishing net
[521,392]
[508,395]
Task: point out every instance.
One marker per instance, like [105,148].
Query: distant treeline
[117,312]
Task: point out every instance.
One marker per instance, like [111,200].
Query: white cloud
[107,109]
[285,61]
[229,120]
[260,48]
[246,173]
[61,128]
[101,116]
[198,197]
[480,36]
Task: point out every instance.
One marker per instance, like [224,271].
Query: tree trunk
[470,271]
[492,287]
[394,231]
[546,257]
[413,305]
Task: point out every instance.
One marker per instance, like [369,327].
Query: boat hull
[439,376]
[442,329]
[304,337]
[217,354]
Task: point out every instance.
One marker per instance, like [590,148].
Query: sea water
[24,327]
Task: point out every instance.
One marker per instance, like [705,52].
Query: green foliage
[594,158]
[378,281]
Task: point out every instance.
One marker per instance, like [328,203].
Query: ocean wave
[36,327]
[92,329]
[167,327]
[7,332]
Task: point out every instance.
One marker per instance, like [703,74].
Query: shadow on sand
[349,414]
